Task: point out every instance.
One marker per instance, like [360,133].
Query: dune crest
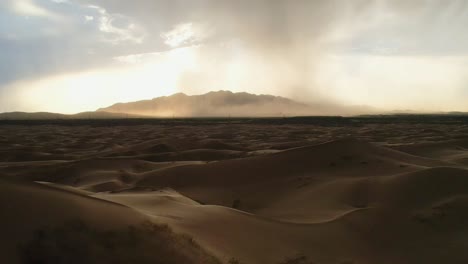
[243,192]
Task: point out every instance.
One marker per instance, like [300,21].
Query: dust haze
[364,53]
[228,104]
[233,132]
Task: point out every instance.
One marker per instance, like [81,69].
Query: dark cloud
[286,28]
[277,36]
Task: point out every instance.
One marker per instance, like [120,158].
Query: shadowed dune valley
[279,191]
[233,132]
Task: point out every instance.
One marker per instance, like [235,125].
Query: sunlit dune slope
[394,221]
[250,194]
[45,224]
[256,184]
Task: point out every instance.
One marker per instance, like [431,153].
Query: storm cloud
[362,52]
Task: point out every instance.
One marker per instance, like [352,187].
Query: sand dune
[261,195]
[387,230]
[451,150]
[282,178]
[69,227]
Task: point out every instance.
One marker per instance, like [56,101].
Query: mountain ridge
[19,115]
[216,104]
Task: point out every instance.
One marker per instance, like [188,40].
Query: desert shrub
[298,259]
[236,204]
[234,261]
[76,242]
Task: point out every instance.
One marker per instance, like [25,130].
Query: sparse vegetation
[234,261]
[199,201]
[236,204]
[298,259]
[77,242]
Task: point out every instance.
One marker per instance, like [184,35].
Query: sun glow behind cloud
[29,8]
[418,83]
[181,34]
[78,55]
[389,82]
[131,78]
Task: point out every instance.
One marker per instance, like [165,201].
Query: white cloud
[425,83]
[118,28]
[30,8]
[284,47]
[61,1]
[183,34]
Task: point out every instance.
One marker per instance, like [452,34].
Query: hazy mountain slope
[221,103]
[25,115]
[48,116]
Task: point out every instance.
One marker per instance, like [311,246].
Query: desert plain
[249,191]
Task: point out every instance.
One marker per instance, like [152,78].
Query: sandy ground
[238,193]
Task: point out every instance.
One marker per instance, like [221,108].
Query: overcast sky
[77,55]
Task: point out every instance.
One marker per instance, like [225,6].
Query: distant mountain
[49,116]
[212,104]
[25,116]
[217,104]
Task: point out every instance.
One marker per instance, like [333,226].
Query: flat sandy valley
[282,191]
